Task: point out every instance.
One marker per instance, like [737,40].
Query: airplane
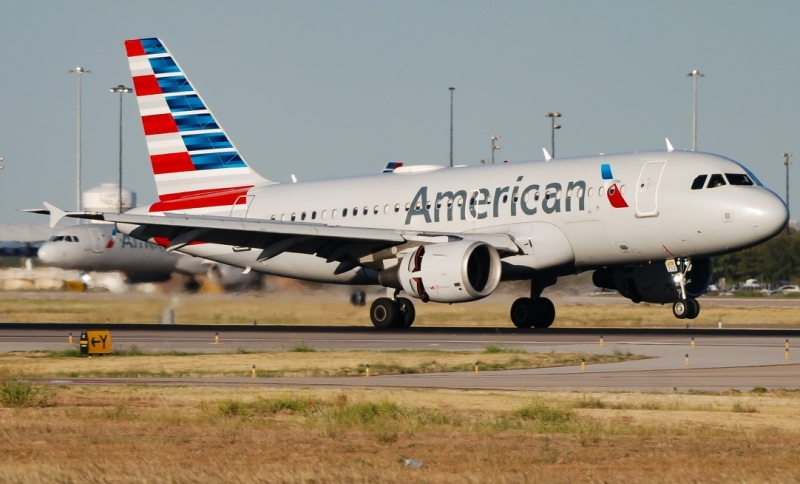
[100,247]
[647,223]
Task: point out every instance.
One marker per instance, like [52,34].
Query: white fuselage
[101,248]
[559,213]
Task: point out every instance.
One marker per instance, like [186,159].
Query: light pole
[786,163]
[494,146]
[79,71]
[451,125]
[694,75]
[121,90]
[553,128]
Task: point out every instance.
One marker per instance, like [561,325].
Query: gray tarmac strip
[720,359]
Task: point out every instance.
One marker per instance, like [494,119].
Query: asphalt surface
[720,359]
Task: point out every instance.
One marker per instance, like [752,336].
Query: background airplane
[99,247]
[647,223]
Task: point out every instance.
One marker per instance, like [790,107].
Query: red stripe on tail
[201,199]
[159,124]
[134,48]
[146,85]
[172,163]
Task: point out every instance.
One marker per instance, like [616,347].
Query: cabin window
[489,200]
[303,216]
[600,191]
[699,182]
[622,189]
[386,209]
[505,198]
[334,213]
[739,179]
[314,215]
[272,217]
[294,217]
[283,217]
[324,214]
[366,210]
[408,206]
[590,192]
[716,180]
[355,211]
[344,212]
[396,207]
[375,210]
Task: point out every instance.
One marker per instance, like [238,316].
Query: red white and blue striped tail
[194,162]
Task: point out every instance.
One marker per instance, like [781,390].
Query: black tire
[695,308]
[681,308]
[545,314]
[523,312]
[407,313]
[384,312]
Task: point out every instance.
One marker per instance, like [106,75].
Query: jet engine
[466,270]
[652,282]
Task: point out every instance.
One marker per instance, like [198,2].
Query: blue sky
[329,89]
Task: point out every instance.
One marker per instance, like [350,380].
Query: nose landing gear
[686,307]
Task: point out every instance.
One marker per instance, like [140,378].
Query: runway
[720,360]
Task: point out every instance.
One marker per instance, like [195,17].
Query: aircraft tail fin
[190,153]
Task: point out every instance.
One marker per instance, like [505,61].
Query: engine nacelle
[451,272]
[652,282]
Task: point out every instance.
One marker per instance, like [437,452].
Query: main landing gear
[535,311]
[686,307]
[397,312]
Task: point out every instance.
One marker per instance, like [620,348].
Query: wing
[351,246]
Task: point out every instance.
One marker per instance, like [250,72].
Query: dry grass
[179,434]
[284,363]
[327,310]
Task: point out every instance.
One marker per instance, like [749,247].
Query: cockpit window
[699,182]
[738,179]
[716,180]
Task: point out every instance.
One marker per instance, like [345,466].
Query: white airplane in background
[647,223]
[101,248]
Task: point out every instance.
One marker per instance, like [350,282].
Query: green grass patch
[493,349]
[20,393]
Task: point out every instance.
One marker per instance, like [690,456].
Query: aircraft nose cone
[45,253]
[767,214]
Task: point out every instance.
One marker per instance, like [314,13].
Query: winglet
[669,146]
[56,214]
[547,156]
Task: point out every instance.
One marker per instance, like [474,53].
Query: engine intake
[451,272]
[652,283]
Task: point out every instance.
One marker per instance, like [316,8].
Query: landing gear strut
[397,312]
[534,311]
[686,307]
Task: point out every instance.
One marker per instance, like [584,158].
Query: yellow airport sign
[96,342]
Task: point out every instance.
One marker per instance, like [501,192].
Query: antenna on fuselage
[547,156]
[670,149]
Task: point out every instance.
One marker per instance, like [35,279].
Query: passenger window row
[313,215]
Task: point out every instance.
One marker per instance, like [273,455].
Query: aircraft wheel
[681,308]
[546,313]
[695,308]
[384,312]
[407,313]
[523,312]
